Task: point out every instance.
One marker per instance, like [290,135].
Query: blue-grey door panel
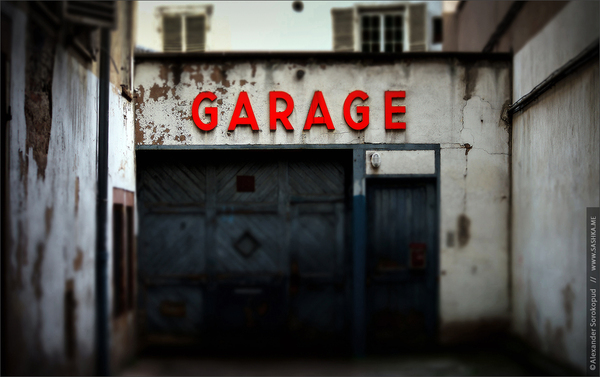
[401,262]
[240,245]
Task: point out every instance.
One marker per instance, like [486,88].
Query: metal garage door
[401,263]
[240,246]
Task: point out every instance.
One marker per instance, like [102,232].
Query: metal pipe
[589,53]
[102,286]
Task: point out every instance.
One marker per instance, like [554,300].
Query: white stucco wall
[555,177]
[448,102]
[52,219]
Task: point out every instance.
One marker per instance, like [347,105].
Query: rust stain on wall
[78,261]
[39,70]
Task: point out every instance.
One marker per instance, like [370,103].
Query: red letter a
[243,101]
[319,101]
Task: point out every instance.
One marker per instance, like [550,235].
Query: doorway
[402,260]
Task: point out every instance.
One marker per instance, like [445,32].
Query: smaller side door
[401,263]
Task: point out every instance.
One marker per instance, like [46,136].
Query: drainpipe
[102,286]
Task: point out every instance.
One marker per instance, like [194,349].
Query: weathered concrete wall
[555,177]
[121,174]
[52,210]
[457,104]
[121,171]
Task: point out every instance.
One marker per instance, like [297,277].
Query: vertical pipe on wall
[102,286]
[359,249]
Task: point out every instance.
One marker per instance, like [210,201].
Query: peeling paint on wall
[41,49]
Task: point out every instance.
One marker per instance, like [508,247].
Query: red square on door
[417,255]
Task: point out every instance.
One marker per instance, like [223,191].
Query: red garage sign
[318,101]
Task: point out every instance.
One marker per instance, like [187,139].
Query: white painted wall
[555,177]
[52,220]
[440,109]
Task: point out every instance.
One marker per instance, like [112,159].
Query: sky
[264,25]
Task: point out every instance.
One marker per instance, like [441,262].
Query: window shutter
[91,13]
[417,21]
[172,33]
[343,29]
[195,33]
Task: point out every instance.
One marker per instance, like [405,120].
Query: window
[382,32]
[184,33]
[438,30]
[123,252]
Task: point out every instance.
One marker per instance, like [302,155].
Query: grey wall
[555,177]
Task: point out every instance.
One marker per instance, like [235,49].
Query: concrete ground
[460,363]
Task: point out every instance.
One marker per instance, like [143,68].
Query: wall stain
[470,79]
[24,170]
[464,232]
[555,340]
[177,70]
[195,74]
[76,195]
[219,75]
[48,219]
[243,82]
[36,276]
[22,259]
[78,261]
[163,74]
[568,298]
[531,315]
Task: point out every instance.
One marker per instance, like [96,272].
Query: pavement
[459,363]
